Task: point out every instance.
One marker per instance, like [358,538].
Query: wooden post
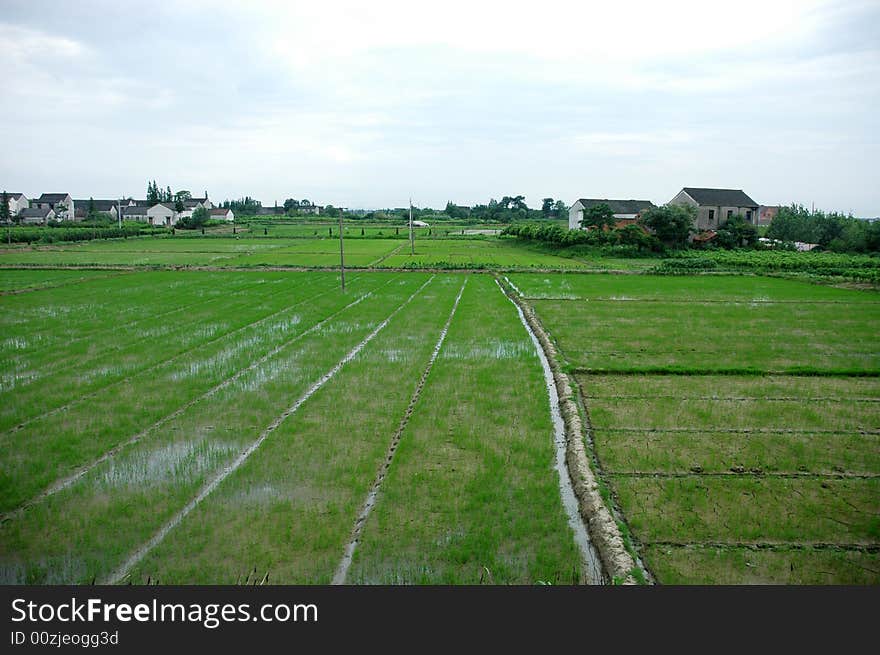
[341,252]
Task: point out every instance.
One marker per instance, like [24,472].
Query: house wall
[161,215]
[16,206]
[39,221]
[718,214]
[575,214]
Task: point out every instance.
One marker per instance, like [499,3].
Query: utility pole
[119,213]
[341,252]
[412,247]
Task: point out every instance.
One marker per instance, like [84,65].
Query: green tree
[290,203]
[452,210]
[198,219]
[671,224]
[152,193]
[91,213]
[331,211]
[598,217]
[547,207]
[5,214]
[736,232]
[61,212]
[635,236]
[559,209]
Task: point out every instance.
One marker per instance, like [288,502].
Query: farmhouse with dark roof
[625,211]
[716,206]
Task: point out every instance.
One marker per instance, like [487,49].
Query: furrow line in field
[736,372]
[768,545]
[136,321]
[385,256]
[370,501]
[65,482]
[745,473]
[18,292]
[702,302]
[159,364]
[122,572]
[801,399]
[861,431]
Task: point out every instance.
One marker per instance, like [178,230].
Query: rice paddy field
[253,251]
[211,426]
[207,426]
[734,420]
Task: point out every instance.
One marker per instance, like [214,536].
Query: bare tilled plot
[732,478]
[89,528]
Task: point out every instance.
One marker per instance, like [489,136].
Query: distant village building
[307,207]
[134,213]
[60,203]
[162,214]
[101,206]
[222,214]
[766,214]
[716,206]
[17,202]
[271,211]
[36,215]
[625,211]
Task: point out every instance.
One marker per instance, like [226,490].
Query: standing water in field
[590,561]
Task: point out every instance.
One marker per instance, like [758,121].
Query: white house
[163,214]
[221,214]
[623,209]
[716,206]
[60,203]
[36,215]
[17,202]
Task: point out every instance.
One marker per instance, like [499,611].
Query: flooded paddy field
[192,427]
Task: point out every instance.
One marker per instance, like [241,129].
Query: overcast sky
[364,104]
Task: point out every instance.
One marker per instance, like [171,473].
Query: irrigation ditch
[619,563]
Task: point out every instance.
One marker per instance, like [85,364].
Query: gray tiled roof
[618,206]
[100,205]
[720,197]
[52,197]
[34,212]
